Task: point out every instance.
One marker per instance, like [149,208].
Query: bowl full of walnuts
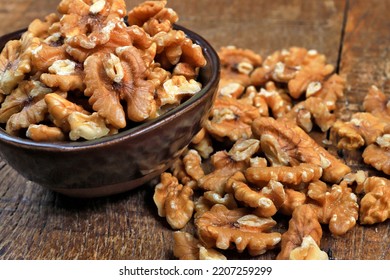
[97,99]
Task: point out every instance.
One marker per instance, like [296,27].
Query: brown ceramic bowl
[116,163]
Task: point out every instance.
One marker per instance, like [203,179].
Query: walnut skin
[294,146]
[223,228]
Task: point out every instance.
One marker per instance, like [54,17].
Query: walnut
[308,250]
[315,108]
[362,129]
[237,64]
[89,24]
[175,89]
[24,106]
[231,89]
[64,75]
[266,200]
[173,201]
[187,247]
[336,206]
[109,80]
[225,166]
[377,103]
[375,205]
[293,200]
[231,118]
[43,29]
[216,198]
[44,133]
[313,69]
[178,170]
[293,176]
[153,16]
[276,99]
[377,157]
[202,143]
[60,108]
[285,143]
[25,94]
[193,165]
[15,61]
[304,223]
[48,53]
[329,91]
[243,149]
[223,228]
[86,126]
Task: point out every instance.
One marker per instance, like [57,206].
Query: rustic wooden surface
[38,224]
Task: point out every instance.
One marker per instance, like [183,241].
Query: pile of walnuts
[94,69]
[254,158]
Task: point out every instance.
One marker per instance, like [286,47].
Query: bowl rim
[148,126]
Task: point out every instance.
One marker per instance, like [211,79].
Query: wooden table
[354,35]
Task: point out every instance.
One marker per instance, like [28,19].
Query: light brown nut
[313,69]
[173,201]
[336,206]
[223,228]
[377,157]
[329,91]
[46,54]
[284,143]
[237,64]
[89,24]
[348,135]
[175,89]
[277,100]
[304,222]
[308,250]
[15,61]
[243,149]
[266,200]
[216,198]
[231,118]
[44,133]
[377,103]
[25,94]
[293,200]
[202,143]
[193,165]
[375,205]
[314,107]
[223,167]
[362,129]
[86,126]
[60,108]
[293,176]
[187,247]
[43,29]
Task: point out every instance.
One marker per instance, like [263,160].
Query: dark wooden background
[355,36]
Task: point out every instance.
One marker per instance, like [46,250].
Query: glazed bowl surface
[118,163]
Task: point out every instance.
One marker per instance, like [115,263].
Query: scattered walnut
[289,144]
[173,201]
[308,250]
[223,228]
[375,205]
[292,176]
[187,247]
[377,103]
[336,206]
[202,143]
[193,165]
[304,223]
[231,118]
[377,157]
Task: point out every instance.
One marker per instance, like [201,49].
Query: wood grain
[38,224]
